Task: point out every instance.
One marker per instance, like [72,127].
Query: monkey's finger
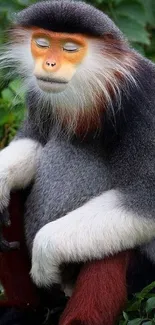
[6,246]
[5,218]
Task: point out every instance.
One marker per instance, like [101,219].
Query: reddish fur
[88,124]
[100,293]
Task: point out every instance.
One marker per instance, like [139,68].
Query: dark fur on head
[68,16]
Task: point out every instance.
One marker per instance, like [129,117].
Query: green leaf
[123,322]
[125,315]
[15,85]
[145,291]
[133,9]
[117,2]
[4,117]
[150,305]
[148,323]
[136,321]
[134,31]
[149,6]
[134,306]
[26,2]
[7,94]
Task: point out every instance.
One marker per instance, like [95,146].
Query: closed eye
[42,42]
[71,47]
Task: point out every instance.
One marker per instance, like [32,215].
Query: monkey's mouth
[52,80]
[52,85]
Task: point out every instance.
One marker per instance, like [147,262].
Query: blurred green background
[136,18]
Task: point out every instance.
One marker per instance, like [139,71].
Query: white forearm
[17,165]
[99,228]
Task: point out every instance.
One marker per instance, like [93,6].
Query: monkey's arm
[105,225]
[18,163]
[17,170]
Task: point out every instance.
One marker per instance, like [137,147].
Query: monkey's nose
[50,64]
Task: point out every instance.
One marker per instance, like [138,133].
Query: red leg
[100,293]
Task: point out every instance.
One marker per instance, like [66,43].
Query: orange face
[56,56]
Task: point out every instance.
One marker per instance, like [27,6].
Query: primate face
[76,77]
[56,58]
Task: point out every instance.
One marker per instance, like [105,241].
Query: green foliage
[136,18]
[11,101]
[141,309]
[11,111]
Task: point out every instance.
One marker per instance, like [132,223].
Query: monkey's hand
[101,227]
[17,167]
[5,188]
[6,246]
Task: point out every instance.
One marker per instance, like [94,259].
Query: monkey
[87,143]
